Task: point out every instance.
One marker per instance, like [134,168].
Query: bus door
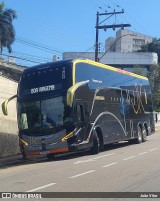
[81,116]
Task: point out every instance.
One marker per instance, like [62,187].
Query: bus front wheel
[23,152]
[96,144]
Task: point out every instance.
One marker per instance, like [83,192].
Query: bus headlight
[67,136]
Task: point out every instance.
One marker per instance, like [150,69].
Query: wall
[8,124]
[133,58]
[127,41]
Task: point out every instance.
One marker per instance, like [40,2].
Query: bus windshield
[41,117]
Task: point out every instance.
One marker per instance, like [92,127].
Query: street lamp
[115,43]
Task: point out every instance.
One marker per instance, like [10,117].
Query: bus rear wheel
[139,139]
[144,135]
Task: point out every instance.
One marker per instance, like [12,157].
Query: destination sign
[42,89]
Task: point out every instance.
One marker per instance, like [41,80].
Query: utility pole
[105,27]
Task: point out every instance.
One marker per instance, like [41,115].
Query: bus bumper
[39,145]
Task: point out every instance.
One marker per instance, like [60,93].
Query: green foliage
[154,46]
[1,6]
[154,78]
[140,70]
[154,72]
[7,32]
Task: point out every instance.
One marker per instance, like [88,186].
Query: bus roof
[75,61]
[48,64]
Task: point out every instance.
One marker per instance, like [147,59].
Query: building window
[138,41]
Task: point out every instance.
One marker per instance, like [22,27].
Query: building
[10,70]
[121,52]
[126,41]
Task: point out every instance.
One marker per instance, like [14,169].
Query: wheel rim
[139,134]
[144,133]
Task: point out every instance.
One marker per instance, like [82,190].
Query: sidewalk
[11,160]
[157,126]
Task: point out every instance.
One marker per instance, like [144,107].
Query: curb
[10,159]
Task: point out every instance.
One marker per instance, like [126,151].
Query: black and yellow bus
[73,105]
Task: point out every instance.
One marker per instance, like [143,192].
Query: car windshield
[41,117]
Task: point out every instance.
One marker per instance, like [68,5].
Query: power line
[98,26]
[37,45]
[25,59]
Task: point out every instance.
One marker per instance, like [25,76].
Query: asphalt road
[122,167]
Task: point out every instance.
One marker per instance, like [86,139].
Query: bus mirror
[5,105]
[69,96]
[72,89]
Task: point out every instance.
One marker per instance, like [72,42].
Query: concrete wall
[8,124]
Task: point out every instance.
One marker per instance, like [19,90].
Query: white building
[121,51]
[126,41]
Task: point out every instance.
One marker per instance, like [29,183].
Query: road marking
[41,187]
[110,164]
[143,153]
[102,156]
[129,158]
[92,159]
[83,161]
[78,175]
[153,149]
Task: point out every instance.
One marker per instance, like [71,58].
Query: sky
[51,27]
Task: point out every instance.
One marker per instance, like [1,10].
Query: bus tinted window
[45,81]
[106,77]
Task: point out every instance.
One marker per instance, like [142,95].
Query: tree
[154,78]
[7,32]
[154,46]
[154,72]
[139,69]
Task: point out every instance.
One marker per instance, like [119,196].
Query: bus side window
[80,113]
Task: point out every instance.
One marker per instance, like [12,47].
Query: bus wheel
[50,156]
[96,144]
[144,134]
[139,139]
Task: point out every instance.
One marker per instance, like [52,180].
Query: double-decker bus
[72,105]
